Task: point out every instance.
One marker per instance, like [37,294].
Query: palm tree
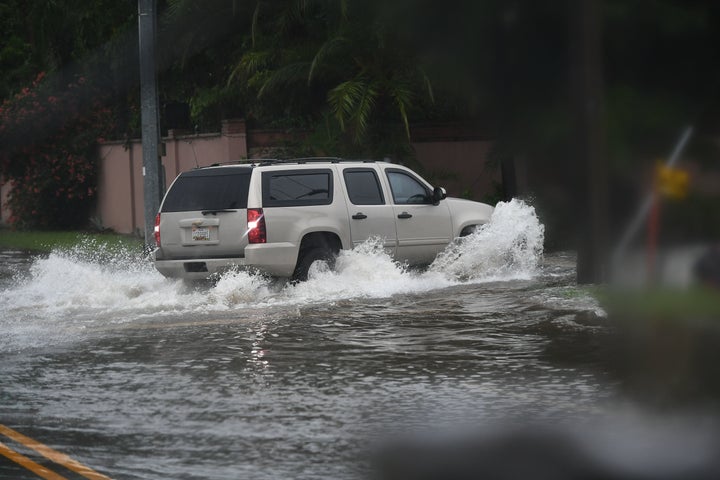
[303,63]
[311,47]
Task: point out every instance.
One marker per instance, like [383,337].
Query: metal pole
[147,22]
[647,204]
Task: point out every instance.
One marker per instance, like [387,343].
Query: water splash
[510,246]
[366,271]
[88,279]
[238,287]
[90,285]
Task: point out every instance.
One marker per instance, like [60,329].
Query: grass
[46,241]
[662,303]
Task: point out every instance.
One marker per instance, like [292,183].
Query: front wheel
[309,257]
[469,230]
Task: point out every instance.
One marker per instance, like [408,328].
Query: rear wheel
[307,258]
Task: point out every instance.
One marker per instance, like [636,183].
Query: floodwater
[141,377]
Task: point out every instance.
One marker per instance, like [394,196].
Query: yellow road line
[25,462]
[53,455]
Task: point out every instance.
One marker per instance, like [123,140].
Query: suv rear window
[291,188]
[208,190]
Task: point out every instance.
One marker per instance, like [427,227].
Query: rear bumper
[197,268]
[275,259]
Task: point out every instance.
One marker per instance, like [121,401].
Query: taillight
[256,226]
[156,231]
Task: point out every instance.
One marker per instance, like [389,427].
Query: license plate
[200,234]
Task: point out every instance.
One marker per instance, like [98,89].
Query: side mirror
[439,193]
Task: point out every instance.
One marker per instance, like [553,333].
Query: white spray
[509,247]
[84,287]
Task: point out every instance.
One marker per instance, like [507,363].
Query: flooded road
[140,377]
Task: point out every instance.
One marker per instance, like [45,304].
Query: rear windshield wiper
[218,210]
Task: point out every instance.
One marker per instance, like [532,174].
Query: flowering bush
[49,152]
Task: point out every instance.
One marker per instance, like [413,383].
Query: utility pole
[147,25]
[592,196]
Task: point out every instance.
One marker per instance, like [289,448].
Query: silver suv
[278,217]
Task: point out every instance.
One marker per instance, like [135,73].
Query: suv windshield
[208,190]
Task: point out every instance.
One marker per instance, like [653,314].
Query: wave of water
[510,246]
[88,286]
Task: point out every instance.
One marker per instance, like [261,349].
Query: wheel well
[326,240]
[469,229]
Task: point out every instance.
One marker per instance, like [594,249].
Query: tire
[307,258]
[469,230]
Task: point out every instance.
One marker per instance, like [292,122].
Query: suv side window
[363,186]
[406,189]
[294,188]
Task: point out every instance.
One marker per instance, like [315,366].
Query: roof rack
[246,161]
[322,159]
[274,161]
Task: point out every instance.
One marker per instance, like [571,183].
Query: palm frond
[343,98]
[428,84]
[290,16]
[326,50]
[254,25]
[364,109]
[292,73]
[250,64]
[402,96]
[354,101]
[344,9]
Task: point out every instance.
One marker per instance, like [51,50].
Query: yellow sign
[671,182]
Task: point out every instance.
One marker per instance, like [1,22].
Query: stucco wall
[116,186]
[4,212]
[451,156]
[120,185]
[459,166]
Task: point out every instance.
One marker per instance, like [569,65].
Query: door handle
[404,215]
[359,216]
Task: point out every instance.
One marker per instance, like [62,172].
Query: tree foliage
[55,104]
[302,63]
[354,75]
[52,36]
[53,180]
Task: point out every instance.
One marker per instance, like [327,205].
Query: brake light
[257,232]
[156,230]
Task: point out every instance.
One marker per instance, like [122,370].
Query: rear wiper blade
[218,210]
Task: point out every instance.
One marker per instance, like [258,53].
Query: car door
[370,212]
[423,228]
